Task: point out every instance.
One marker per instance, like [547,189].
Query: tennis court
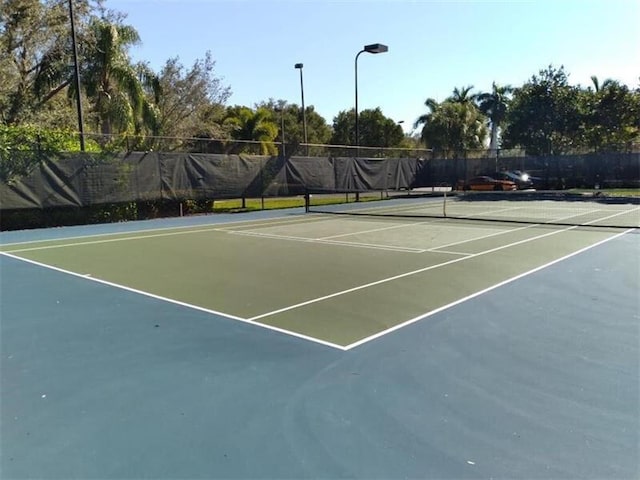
[300,319]
[339,281]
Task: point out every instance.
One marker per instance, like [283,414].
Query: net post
[307,201]
[444,204]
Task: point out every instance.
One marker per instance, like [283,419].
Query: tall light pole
[280,110]
[304,115]
[373,48]
[77,76]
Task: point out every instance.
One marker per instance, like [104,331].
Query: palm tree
[113,86]
[494,105]
[597,86]
[432,105]
[462,95]
[112,83]
[451,126]
[257,126]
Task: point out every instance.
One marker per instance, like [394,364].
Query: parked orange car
[486,183]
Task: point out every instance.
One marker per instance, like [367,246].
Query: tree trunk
[493,145]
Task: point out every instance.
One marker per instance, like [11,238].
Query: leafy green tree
[344,124]
[253,126]
[463,95]
[191,101]
[30,32]
[113,86]
[452,127]
[112,83]
[462,130]
[598,86]
[376,130]
[318,131]
[432,105]
[544,116]
[36,62]
[611,119]
[494,105]
[412,145]
[23,147]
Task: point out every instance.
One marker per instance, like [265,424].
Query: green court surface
[337,281]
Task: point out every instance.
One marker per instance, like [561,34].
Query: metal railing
[122,143]
[231,146]
[128,143]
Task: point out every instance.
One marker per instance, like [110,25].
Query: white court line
[406,274]
[252,321]
[270,222]
[213,226]
[123,239]
[300,220]
[402,225]
[477,294]
[576,212]
[624,212]
[482,237]
[329,242]
[449,252]
[421,270]
[326,240]
[176,302]
[437,249]
[95,242]
[434,249]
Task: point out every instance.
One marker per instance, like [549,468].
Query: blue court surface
[537,377]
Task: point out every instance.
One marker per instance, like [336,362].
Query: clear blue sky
[434,46]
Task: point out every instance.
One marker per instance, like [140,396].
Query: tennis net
[531,207]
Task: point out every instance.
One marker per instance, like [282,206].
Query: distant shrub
[23,147]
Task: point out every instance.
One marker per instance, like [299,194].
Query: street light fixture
[373,48]
[304,116]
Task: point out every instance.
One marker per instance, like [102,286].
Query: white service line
[624,212]
[175,302]
[437,249]
[252,320]
[213,226]
[111,240]
[477,294]
[407,274]
[489,235]
[270,223]
[402,225]
[449,252]
[329,242]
